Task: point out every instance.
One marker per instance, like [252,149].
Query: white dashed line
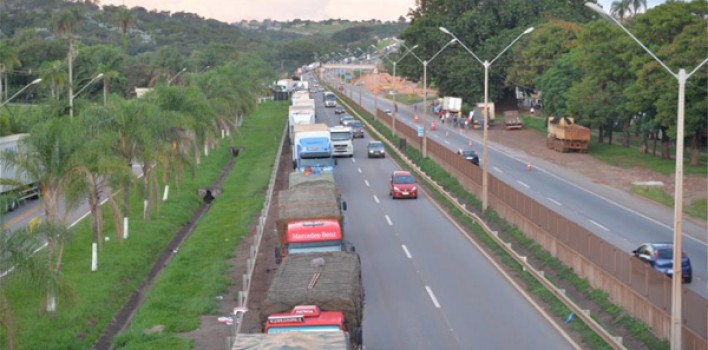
[388,220]
[554,201]
[367,183]
[359,170]
[448,142]
[498,170]
[432,296]
[405,250]
[523,184]
[376,199]
[353,159]
[600,226]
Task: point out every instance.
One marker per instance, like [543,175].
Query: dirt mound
[385,83]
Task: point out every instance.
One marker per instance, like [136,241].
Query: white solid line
[359,170]
[432,296]
[376,199]
[523,184]
[405,250]
[600,226]
[448,142]
[353,159]
[388,220]
[498,170]
[554,201]
[367,183]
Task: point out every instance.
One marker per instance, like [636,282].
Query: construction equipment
[566,136]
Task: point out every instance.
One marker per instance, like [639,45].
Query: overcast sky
[236,10]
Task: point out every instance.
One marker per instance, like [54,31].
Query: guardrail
[614,341]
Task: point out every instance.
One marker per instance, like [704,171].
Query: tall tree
[8,61]
[65,23]
[54,77]
[125,19]
[620,9]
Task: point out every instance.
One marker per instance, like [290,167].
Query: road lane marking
[432,296]
[523,184]
[554,201]
[367,183]
[353,159]
[498,170]
[376,199]
[600,226]
[388,220]
[30,211]
[448,142]
[359,170]
[405,250]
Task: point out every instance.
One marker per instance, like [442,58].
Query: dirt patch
[383,83]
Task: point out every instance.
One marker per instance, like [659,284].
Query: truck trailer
[293,341]
[23,187]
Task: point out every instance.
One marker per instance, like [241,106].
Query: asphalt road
[426,285]
[613,215]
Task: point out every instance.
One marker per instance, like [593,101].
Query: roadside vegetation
[188,287]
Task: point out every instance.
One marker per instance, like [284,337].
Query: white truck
[342,144]
[23,188]
[299,115]
[451,105]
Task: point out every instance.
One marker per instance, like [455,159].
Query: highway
[426,285]
[616,216]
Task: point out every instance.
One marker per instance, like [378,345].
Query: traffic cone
[447,134]
[470,143]
[415,118]
[432,126]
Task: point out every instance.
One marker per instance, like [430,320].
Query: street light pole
[395,90]
[72,97]
[176,75]
[34,82]
[485,148]
[424,146]
[676,288]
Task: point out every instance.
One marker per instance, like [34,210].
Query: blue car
[660,256]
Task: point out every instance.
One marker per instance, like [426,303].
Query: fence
[642,291]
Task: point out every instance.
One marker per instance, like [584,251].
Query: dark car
[660,257]
[403,185]
[339,110]
[471,156]
[346,119]
[375,149]
[357,129]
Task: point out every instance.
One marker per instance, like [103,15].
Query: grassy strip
[123,264]
[187,288]
[697,209]
[408,99]
[635,327]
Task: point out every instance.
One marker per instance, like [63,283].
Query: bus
[330,99]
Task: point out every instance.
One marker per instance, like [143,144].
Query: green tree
[65,23]
[54,77]
[125,19]
[555,82]
[8,61]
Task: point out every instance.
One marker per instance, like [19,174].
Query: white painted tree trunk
[125,227]
[223,133]
[51,303]
[228,132]
[206,148]
[145,208]
[94,256]
[166,193]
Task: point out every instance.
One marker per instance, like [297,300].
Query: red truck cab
[309,236]
[305,318]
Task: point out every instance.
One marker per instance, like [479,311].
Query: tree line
[583,66]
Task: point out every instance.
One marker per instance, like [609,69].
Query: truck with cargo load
[310,216]
[299,115]
[293,341]
[564,135]
[18,186]
[512,120]
[312,148]
[313,283]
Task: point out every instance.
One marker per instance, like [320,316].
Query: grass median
[188,287]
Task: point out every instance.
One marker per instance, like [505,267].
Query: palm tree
[96,170]
[109,74]
[637,5]
[46,154]
[620,9]
[125,19]
[8,61]
[53,76]
[65,23]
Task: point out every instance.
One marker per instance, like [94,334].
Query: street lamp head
[595,7]
[36,81]
[99,76]
[444,30]
[454,40]
[414,47]
[529,30]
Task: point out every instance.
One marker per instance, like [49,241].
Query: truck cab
[305,318]
[309,236]
[342,144]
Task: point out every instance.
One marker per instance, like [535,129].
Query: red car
[403,185]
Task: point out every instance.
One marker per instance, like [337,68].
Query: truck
[23,187]
[451,105]
[564,135]
[299,115]
[342,144]
[322,289]
[292,341]
[310,216]
[312,148]
[512,120]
